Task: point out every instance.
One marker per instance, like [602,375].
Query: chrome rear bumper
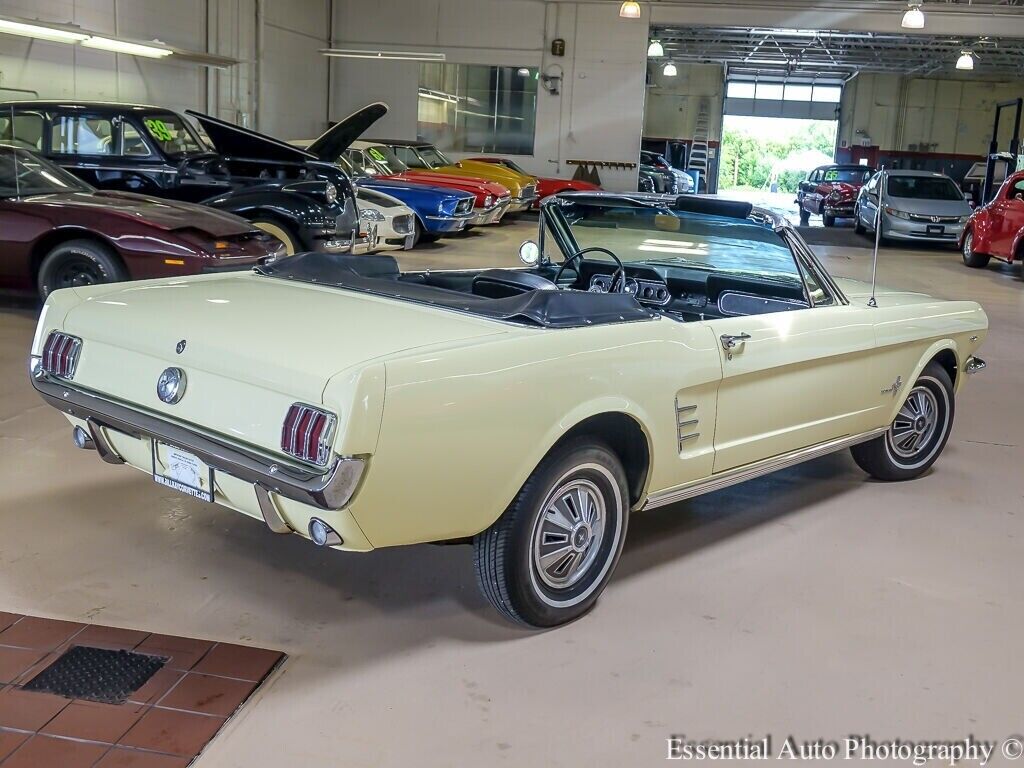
[329,489]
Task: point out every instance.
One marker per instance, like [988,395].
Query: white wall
[598,115]
[674,102]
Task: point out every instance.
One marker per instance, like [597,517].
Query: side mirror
[529,253]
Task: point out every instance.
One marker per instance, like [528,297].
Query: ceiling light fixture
[669,70]
[655,49]
[629,10]
[42,33]
[122,46]
[914,17]
[966,60]
[352,53]
[524,72]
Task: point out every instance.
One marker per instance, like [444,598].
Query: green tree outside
[748,156]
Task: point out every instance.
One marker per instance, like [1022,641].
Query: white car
[393,222]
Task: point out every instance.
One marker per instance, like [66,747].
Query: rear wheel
[917,435]
[828,221]
[281,232]
[78,263]
[971,257]
[547,559]
[805,217]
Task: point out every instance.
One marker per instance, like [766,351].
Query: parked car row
[101,192]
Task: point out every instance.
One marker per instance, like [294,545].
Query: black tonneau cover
[380,276]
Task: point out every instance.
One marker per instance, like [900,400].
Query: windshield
[847,175]
[513,166]
[172,134]
[923,188]
[23,174]
[432,157]
[386,160]
[657,235]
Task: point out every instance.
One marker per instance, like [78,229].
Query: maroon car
[831,192]
[57,232]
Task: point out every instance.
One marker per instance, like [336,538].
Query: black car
[156,151]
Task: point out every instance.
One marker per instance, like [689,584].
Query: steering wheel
[618,276]
[205,164]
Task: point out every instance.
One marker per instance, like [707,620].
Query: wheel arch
[42,247]
[946,354]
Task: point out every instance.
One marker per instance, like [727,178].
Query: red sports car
[831,191]
[545,185]
[58,232]
[997,229]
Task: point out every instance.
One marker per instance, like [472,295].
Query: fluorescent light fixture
[966,60]
[352,53]
[669,70]
[655,49]
[122,46]
[629,10]
[913,18]
[8,27]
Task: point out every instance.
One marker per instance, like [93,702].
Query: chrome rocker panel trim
[330,488]
[757,469]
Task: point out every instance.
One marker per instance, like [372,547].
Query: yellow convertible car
[424,156]
[651,349]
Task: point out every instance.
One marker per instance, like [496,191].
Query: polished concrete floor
[813,603]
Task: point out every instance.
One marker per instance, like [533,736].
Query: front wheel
[828,221]
[917,435]
[971,257]
[281,232]
[79,263]
[547,559]
[858,226]
[805,217]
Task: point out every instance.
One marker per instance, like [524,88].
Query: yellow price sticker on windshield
[159,129]
[376,154]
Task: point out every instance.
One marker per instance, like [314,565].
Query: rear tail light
[60,354]
[306,434]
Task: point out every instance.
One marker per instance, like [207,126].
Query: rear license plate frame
[191,464]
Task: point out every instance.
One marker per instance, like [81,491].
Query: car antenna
[872,302]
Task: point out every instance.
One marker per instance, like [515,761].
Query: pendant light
[629,10]
[966,60]
[914,17]
[669,70]
[655,49]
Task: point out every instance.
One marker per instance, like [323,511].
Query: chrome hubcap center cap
[915,425]
[581,537]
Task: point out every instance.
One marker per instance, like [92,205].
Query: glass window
[1018,189]
[22,173]
[82,135]
[737,89]
[828,93]
[23,129]
[478,108]
[923,188]
[133,143]
[408,156]
[769,91]
[386,160]
[819,296]
[172,134]
[847,175]
[797,93]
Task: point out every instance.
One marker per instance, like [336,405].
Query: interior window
[24,130]
[82,135]
[132,142]
[819,296]
[1018,189]
[408,156]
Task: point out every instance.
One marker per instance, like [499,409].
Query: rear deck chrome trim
[757,469]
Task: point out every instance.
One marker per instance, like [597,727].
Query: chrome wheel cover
[568,533]
[915,425]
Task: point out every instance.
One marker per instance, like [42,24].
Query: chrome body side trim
[685,427]
[326,488]
[750,471]
[974,364]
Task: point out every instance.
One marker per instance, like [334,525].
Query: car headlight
[896,213]
[488,201]
[369,214]
[331,194]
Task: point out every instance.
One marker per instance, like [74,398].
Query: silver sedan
[916,205]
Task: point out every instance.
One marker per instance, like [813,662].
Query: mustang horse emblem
[895,388]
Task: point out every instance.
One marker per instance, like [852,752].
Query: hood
[929,207]
[234,141]
[160,213]
[844,189]
[396,185]
[495,169]
[466,183]
[338,138]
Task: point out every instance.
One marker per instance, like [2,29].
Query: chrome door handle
[729,342]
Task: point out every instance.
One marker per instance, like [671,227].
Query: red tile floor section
[164,724]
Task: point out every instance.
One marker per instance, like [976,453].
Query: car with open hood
[996,230]
[159,152]
[58,232]
[546,185]
[655,348]
[424,156]
[918,206]
[831,192]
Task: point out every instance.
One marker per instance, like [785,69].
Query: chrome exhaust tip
[322,534]
[82,439]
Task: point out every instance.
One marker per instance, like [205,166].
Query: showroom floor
[812,597]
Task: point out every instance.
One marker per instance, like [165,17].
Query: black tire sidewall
[533,600]
[100,256]
[937,381]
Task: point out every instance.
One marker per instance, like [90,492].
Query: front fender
[301,211]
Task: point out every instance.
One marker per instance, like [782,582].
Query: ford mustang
[651,349]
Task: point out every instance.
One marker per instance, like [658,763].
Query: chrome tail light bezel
[60,355]
[300,441]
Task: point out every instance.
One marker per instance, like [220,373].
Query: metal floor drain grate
[96,674]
